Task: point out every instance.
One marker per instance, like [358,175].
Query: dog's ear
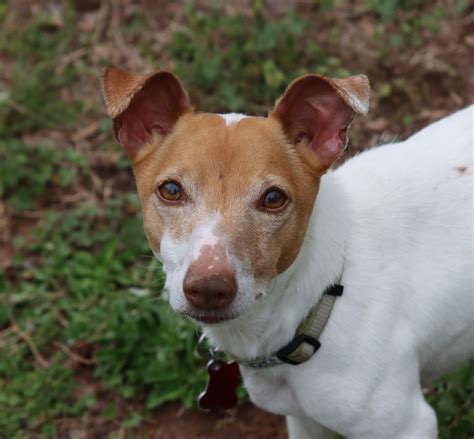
[318,111]
[142,106]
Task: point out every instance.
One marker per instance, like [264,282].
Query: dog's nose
[210,292]
[210,282]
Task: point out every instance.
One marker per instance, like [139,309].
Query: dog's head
[226,199]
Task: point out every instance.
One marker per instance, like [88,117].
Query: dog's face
[226,199]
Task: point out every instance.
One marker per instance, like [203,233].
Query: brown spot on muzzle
[210,282]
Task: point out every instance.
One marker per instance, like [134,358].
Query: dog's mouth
[211,317]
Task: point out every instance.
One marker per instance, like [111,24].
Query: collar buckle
[298,350]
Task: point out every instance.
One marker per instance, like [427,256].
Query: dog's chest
[271,391]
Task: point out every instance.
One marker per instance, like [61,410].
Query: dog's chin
[211,317]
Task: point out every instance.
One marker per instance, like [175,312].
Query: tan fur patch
[224,171]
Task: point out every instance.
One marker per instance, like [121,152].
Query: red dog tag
[221,389]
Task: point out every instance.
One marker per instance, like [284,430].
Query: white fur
[396,223]
[359,103]
[178,254]
[231,118]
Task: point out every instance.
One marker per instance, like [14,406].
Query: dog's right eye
[170,191]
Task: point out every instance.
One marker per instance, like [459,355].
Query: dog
[258,236]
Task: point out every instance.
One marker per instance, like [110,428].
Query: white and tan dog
[252,227]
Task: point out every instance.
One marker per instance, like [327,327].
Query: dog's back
[412,229]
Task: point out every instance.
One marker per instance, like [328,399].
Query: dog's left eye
[273,199]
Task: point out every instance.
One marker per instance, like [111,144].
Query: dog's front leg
[306,428]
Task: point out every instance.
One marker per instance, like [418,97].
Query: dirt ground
[245,422]
[174,422]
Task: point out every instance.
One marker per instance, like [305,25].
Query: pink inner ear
[327,118]
[153,110]
[313,111]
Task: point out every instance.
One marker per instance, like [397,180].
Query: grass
[82,328]
[77,286]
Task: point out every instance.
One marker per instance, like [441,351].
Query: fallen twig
[72,355]
[42,361]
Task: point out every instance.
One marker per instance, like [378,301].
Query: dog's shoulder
[439,153]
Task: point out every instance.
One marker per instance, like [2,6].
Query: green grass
[255,66]
[80,300]
[36,77]
[54,169]
[86,281]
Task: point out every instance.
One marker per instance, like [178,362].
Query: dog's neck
[273,321]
